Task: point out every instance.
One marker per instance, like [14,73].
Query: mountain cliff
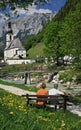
[62,35]
[26,26]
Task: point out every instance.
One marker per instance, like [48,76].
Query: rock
[26,26]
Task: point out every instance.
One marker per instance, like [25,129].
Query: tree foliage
[52,40]
[32,41]
[62,35]
[71,34]
[70,5]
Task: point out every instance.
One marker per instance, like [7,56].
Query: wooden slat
[53,98]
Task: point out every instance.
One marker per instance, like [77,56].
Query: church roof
[16,43]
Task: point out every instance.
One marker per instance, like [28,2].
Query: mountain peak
[26,26]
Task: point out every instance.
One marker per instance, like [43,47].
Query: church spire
[9,34]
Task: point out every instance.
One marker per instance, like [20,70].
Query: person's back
[55,91]
[42,91]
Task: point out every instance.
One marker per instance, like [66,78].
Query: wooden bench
[52,100]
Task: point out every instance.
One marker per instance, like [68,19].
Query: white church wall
[13,52]
[22,53]
[9,53]
[22,61]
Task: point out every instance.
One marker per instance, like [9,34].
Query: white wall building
[14,52]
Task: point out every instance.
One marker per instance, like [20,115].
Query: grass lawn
[73,99]
[36,51]
[15,115]
[22,86]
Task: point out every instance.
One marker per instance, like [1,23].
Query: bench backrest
[47,98]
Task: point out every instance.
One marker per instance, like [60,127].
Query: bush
[78,78]
[65,76]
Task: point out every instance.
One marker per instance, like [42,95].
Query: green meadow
[15,115]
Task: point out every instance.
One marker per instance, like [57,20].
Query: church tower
[14,52]
[9,34]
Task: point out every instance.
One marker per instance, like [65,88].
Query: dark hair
[43,85]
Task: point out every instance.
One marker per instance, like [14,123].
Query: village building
[14,52]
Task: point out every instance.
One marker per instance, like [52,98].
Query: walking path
[15,90]
[74,109]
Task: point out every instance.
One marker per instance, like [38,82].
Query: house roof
[16,43]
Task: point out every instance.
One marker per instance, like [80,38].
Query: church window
[16,52]
[10,38]
[9,25]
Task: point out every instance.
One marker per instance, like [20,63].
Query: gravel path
[15,90]
[74,109]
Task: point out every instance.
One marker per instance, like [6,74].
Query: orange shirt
[42,92]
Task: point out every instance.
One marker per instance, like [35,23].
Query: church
[14,52]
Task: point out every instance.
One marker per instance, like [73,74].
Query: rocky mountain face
[26,26]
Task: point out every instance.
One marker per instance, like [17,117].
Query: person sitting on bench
[42,91]
[55,91]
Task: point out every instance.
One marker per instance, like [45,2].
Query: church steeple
[9,34]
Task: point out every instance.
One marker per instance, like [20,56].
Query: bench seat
[56,101]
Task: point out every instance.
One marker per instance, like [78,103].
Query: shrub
[65,76]
[78,78]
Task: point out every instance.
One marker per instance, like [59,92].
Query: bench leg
[55,107]
[60,106]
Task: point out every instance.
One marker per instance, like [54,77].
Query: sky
[52,6]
